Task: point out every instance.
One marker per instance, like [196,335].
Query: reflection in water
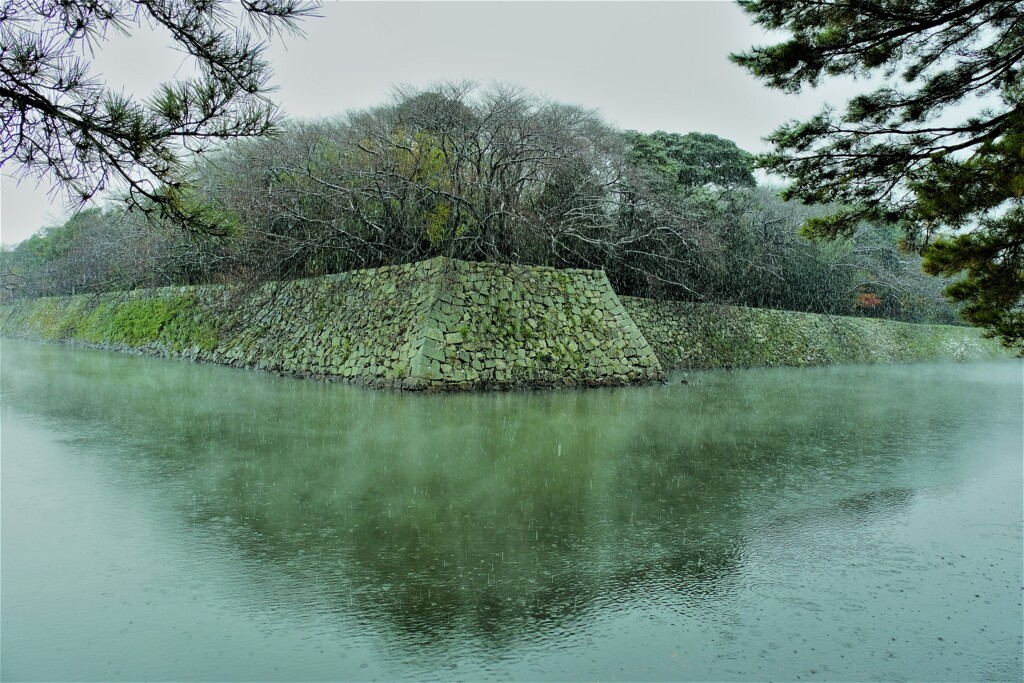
[506,518]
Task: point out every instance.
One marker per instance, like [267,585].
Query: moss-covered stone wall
[439,324]
[700,336]
[446,324]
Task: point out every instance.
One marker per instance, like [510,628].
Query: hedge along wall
[700,336]
[438,324]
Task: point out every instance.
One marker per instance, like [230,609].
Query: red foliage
[868,300]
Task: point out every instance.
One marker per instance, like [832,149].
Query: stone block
[433,352]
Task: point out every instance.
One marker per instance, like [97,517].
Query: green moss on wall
[445,324]
[167,318]
[698,336]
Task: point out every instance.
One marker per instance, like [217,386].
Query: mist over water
[164,520]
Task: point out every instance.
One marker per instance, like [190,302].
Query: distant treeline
[494,174]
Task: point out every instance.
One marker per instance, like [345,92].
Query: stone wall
[438,324]
[444,324]
[700,336]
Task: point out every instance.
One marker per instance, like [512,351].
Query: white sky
[644,65]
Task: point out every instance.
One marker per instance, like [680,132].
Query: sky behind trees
[643,65]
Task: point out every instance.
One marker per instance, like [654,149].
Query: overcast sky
[644,65]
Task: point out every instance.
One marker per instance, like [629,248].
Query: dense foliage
[905,153]
[496,174]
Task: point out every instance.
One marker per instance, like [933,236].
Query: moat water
[162,520]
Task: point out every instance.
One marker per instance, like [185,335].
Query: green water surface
[163,520]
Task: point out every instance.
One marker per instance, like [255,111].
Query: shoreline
[448,325]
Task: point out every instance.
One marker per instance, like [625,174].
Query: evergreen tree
[692,160]
[62,123]
[904,152]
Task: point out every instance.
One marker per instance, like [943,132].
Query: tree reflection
[492,518]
